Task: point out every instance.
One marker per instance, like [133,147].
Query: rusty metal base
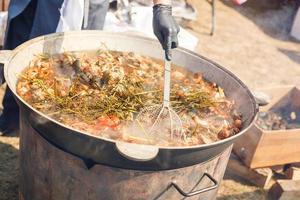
[49,173]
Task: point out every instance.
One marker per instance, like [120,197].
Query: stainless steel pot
[112,152]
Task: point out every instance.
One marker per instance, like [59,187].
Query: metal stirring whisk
[161,119]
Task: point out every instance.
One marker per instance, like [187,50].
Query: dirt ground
[251,41]
[9,167]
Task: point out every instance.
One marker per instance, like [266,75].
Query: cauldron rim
[181,49]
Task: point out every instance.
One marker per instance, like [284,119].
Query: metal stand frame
[213,16]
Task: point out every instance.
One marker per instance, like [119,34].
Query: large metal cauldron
[116,153]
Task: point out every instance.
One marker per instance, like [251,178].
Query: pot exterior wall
[49,173]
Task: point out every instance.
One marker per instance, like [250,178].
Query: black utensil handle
[193,193]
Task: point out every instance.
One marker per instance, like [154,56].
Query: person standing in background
[28,19]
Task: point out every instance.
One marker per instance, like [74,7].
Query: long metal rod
[213,17]
[167,83]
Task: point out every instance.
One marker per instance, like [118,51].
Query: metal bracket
[193,193]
